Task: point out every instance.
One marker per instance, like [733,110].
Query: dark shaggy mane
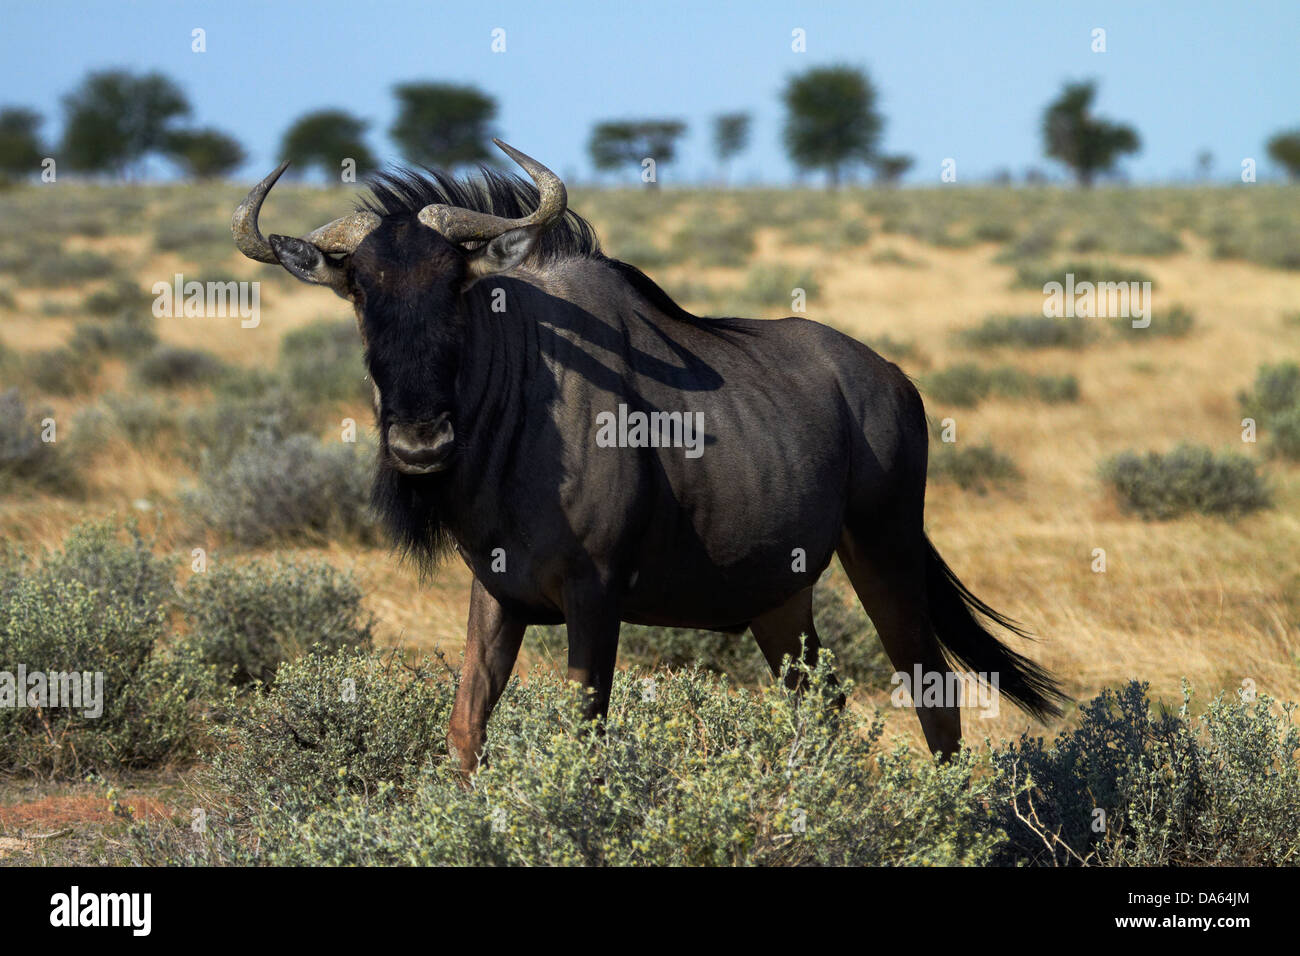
[404,192]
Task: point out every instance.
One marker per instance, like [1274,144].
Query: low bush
[246,620]
[216,430]
[187,236]
[1189,478]
[24,456]
[896,350]
[693,773]
[169,366]
[1274,402]
[766,289]
[61,371]
[972,468]
[141,420]
[1032,331]
[323,361]
[1133,787]
[713,241]
[62,268]
[1037,275]
[282,490]
[125,336]
[120,296]
[967,384]
[97,609]
[1174,323]
[343,763]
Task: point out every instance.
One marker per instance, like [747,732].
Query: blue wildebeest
[508,354]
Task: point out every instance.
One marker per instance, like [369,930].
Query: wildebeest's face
[405,282]
[405,276]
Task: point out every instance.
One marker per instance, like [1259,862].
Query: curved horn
[462,225]
[343,235]
[248,239]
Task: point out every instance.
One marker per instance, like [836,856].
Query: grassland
[1215,600]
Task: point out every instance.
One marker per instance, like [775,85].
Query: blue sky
[960,80]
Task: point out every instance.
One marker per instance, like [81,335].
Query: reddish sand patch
[53,812]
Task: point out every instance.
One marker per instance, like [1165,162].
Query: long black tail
[968,645]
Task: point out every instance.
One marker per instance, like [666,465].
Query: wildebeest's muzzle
[421,448]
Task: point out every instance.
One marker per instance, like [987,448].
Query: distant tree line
[116,120]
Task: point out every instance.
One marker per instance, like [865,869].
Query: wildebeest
[533,399]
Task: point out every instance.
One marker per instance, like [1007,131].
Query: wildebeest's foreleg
[491,646]
[592,619]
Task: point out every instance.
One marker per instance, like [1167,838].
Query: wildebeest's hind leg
[887,570]
[491,646]
[789,631]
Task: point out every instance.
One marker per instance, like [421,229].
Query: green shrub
[293,489]
[323,361]
[169,366]
[1221,789]
[1175,322]
[344,763]
[125,336]
[1134,238]
[1189,478]
[247,620]
[964,384]
[693,773]
[1032,331]
[1038,242]
[351,720]
[972,468]
[967,384]
[1037,275]
[62,371]
[24,456]
[993,230]
[204,238]
[215,431]
[713,241]
[896,350]
[768,288]
[121,296]
[1274,402]
[98,607]
[1276,389]
[1284,434]
[141,420]
[61,268]
[892,257]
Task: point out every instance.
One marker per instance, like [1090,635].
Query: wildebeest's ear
[304,260]
[502,253]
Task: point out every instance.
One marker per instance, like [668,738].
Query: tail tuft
[967,643]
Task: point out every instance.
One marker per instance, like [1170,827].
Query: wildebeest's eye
[337,257]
